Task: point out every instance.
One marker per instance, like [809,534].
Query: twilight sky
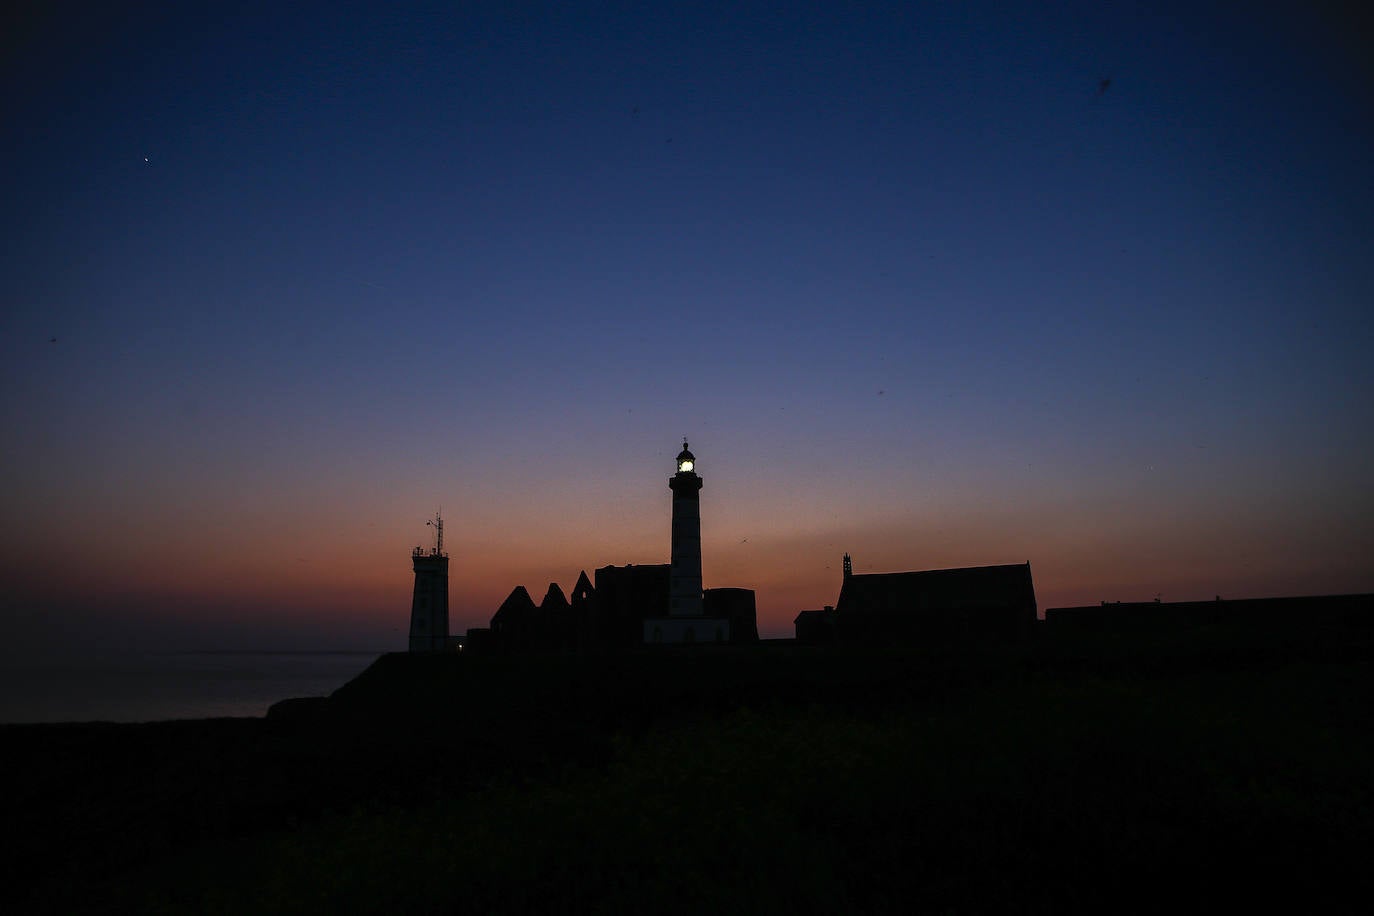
[914,279]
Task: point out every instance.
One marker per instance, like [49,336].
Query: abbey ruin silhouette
[656,604]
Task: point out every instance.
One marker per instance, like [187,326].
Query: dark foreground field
[1107,774]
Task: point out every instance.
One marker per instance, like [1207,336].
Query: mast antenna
[437,523]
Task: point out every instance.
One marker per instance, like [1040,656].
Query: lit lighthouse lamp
[686,461]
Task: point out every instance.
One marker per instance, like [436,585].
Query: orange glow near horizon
[326,568]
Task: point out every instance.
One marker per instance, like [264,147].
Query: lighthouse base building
[728,615]
[684,630]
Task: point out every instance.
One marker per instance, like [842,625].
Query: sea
[156,686]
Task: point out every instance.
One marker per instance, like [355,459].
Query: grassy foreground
[871,781]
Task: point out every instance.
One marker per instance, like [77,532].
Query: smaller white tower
[429,603]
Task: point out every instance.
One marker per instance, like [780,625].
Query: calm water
[143,687]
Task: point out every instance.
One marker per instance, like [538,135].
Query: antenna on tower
[437,523]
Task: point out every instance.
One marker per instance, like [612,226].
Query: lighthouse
[686,620]
[429,603]
[684,577]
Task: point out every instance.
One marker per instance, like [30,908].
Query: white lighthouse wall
[685,573]
[429,605]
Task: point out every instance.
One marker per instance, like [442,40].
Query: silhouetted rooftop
[554,599]
[938,589]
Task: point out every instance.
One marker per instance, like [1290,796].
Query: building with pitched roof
[937,606]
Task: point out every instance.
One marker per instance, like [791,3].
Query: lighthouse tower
[684,589]
[429,604]
[686,621]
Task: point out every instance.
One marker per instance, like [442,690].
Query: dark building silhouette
[519,624]
[736,606]
[583,594]
[555,603]
[555,613]
[979,604]
[516,623]
[816,627]
[429,600]
[1310,613]
[625,596]
[613,613]
[581,606]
